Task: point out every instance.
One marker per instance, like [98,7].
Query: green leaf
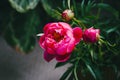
[108,8]
[23,5]
[111,30]
[89,6]
[71,76]
[75,72]
[83,7]
[67,73]
[93,70]
[69,4]
[59,64]
[92,53]
[50,9]
[64,4]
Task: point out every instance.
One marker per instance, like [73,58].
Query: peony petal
[71,45]
[41,41]
[91,35]
[77,32]
[69,34]
[49,42]
[62,58]
[97,31]
[49,45]
[62,50]
[65,25]
[48,27]
[48,57]
[50,51]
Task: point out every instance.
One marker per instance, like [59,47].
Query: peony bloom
[91,35]
[67,14]
[59,40]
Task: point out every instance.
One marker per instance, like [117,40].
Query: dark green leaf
[75,72]
[89,6]
[71,76]
[108,8]
[67,73]
[111,30]
[59,64]
[64,4]
[83,7]
[93,70]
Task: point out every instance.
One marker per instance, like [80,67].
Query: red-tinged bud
[67,15]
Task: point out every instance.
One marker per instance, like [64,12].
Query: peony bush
[72,40]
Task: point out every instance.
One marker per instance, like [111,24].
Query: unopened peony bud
[91,35]
[67,14]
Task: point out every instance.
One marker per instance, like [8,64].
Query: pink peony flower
[67,14]
[91,35]
[59,40]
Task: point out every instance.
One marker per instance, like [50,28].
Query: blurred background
[16,66]
[20,54]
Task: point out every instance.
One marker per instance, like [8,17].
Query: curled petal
[65,25]
[63,58]
[77,32]
[69,34]
[71,46]
[49,43]
[48,27]
[48,57]
[42,41]
[50,51]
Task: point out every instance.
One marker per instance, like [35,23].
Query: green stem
[75,70]
[100,53]
[69,4]
[79,23]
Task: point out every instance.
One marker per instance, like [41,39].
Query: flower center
[57,36]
